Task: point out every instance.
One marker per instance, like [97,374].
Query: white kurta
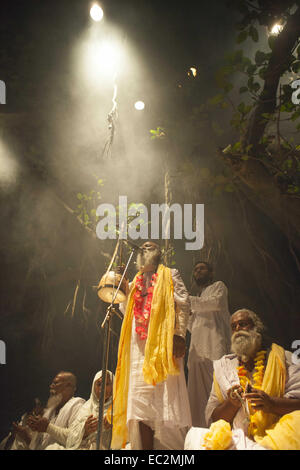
[209,325]
[66,416]
[164,407]
[72,438]
[227,377]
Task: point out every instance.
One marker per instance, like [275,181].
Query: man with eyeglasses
[255,398]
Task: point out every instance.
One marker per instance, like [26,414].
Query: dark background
[56,129]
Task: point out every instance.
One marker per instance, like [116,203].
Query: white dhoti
[163,407]
[199,385]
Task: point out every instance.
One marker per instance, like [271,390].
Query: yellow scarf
[158,361]
[273,384]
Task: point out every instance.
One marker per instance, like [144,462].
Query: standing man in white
[209,325]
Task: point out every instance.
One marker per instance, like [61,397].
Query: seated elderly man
[61,410]
[82,434]
[255,398]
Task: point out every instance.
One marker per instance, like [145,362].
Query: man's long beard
[245,344]
[54,401]
[147,258]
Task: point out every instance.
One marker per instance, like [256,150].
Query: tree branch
[279,62]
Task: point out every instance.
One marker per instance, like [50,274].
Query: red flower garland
[142,315]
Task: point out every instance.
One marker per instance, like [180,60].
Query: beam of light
[102,59]
[96,12]
[276,29]
[8,167]
[139,105]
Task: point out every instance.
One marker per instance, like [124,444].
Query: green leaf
[217,99]
[295,67]
[251,69]
[237,146]
[229,188]
[268,116]
[295,115]
[242,36]
[259,57]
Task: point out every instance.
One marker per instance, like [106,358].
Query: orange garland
[259,366]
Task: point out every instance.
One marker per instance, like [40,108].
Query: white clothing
[226,375]
[76,431]
[165,406]
[209,322]
[209,325]
[16,443]
[195,437]
[66,416]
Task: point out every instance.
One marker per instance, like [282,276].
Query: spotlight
[96,12]
[192,71]
[139,105]
[276,29]
[102,58]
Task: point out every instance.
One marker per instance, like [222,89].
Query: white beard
[54,401]
[147,258]
[245,344]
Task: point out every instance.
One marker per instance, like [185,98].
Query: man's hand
[90,426]
[260,400]
[22,432]
[232,395]
[38,423]
[178,346]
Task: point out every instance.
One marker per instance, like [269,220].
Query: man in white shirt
[61,410]
[209,325]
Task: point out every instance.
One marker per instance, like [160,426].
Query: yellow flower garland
[259,367]
[219,436]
